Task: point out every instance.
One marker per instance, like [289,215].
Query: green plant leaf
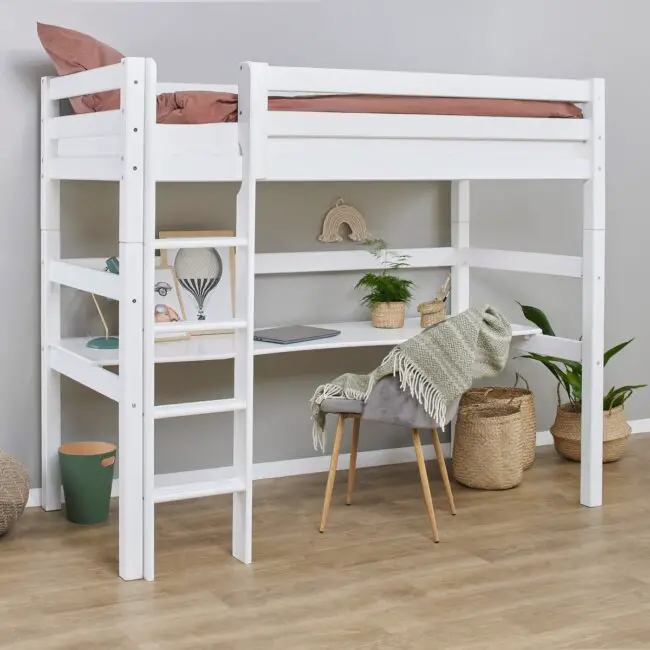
[550,366]
[615,350]
[618,396]
[384,288]
[537,317]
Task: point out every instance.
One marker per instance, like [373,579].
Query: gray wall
[203,43]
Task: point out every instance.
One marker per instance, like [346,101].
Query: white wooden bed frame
[128,147]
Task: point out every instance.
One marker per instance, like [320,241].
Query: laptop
[293,334]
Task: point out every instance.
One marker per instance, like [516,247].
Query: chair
[393,406]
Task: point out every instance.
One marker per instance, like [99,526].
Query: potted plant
[386,294]
[566,427]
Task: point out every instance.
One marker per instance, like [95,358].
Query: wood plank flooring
[525,569]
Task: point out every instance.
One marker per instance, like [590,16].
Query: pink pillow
[72,51]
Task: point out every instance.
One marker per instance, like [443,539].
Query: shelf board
[211,347]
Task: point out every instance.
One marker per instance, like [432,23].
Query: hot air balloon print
[204,277]
[199,271]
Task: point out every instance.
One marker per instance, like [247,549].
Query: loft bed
[130,146]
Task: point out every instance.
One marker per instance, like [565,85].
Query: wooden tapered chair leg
[356,425]
[424,479]
[443,470]
[332,473]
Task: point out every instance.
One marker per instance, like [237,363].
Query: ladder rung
[199,326]
[198,408]
[200,242]
[198,490]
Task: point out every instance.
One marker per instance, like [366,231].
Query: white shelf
[356,334]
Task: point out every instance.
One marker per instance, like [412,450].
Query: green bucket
[87,476]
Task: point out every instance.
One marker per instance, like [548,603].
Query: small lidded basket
[432,312]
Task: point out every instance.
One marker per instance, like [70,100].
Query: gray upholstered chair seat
[389,404]
[341,405]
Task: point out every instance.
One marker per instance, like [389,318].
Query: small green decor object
[87,470]
[105,342]
[386,294]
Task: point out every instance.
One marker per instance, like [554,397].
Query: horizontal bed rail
[568,266]
[173,87]
[85,125]
[110,77]
[552,345]
[85,279]
[424,127]
[338,261]
[84,372]
[374,82]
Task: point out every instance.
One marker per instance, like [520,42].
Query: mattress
[204,107]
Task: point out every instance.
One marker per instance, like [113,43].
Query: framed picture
[168,307]
[205,277]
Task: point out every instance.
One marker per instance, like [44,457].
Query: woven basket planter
[566,433]
[521,398]
[14,491]
[431,312]
[487,448]
[389,315]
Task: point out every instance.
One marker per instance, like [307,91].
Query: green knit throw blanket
[436,366]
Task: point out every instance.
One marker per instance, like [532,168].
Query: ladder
[240,484]
[134,388]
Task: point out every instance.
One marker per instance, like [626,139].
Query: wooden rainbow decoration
[339,215]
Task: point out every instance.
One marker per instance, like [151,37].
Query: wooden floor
[524,569]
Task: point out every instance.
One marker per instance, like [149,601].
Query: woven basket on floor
[566,433]
[518,397]
[431,312]
[487,447]
[388,315]
[14,491]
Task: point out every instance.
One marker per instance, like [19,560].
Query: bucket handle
[107,462]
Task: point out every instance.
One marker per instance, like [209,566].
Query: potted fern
[566,427]
[385,293]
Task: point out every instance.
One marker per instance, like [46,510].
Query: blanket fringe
[327,391]
[415,381]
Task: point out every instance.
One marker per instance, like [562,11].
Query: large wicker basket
[487,449]
[519,397]
[388,315]
[567,435]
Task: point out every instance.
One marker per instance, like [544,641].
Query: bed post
[460,242]
[149,348]
[253,98]
[460,270]
[131,234]
[50,313]
[593,308]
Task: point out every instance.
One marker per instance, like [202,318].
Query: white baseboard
[177,483]
[640,426]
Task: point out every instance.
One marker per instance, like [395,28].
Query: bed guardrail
[321,80]
[110,77]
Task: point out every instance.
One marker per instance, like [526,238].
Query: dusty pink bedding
[73,51]
[199,107]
